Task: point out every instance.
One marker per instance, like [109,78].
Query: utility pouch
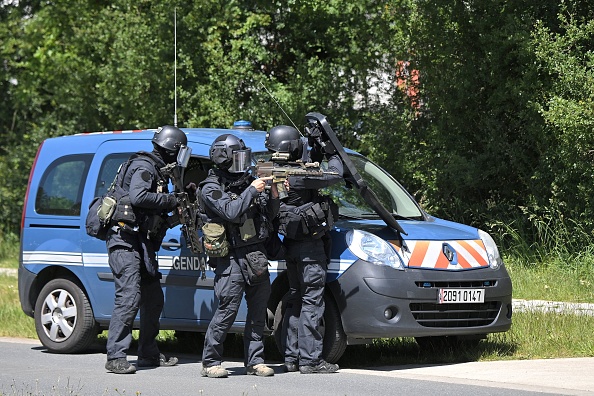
[257,267]
[316,220]
[215,240]
[247,230]
[292,225]
[94,226]
[314,215]
[106,209]
[124,212]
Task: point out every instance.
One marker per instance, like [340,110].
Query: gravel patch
[8,271]
[553,307]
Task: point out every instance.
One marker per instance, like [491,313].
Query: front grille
[463,284]
[455,315]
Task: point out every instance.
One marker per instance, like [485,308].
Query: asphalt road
[27,369]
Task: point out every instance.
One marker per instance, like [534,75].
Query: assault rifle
[279,167]
[188,214]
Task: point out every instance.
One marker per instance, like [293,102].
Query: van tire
[63,317]
[335,340]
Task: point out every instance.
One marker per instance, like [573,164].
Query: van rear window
[109,168]
[62,184]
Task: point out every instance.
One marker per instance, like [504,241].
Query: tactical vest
[150,221]
[253,227]
[310,220]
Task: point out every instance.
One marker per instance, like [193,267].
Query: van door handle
[170,245]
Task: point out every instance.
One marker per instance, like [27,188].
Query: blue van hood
[432,229]
[438,229]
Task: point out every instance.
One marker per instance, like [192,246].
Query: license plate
[449,296]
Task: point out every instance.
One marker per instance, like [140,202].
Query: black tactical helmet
[221,150]
[284,139]
[170,138]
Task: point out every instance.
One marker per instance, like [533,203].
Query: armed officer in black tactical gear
[239,214]
[305,218]
[132,244]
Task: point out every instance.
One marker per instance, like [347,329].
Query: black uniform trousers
[229,288]
[306,268]
[135,290]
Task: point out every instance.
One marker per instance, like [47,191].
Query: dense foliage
[483,109]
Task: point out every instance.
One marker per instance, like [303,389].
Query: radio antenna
[175,67]
[280,107]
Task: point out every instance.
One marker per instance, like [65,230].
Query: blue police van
[439,280]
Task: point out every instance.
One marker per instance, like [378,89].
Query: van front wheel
[63,317]
[335,340]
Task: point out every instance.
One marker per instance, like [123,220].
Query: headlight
[495,260]
[372,249]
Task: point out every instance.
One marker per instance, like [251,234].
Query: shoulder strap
[148,155]
[155,161]
[211,178]
[123,168]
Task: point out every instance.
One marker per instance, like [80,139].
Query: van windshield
[389,192]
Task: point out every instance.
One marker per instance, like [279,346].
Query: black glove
[191,188]
[315,139]
[316,153]
[171,201]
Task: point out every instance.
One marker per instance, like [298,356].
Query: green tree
[14,151]
[96,65]
[75,66]
[564,178]
[312,55]
[497,127]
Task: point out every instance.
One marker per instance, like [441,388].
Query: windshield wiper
[349,216]
[400,217]
[369,215]
[395,215]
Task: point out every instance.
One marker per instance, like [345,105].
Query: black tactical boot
[321,368]
[157,361]
[120,366]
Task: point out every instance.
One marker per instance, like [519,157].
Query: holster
[257,267]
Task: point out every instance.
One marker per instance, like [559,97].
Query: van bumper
[381,302]
[27,282]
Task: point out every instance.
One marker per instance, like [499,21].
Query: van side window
[197,170]
[108,170]
[62,185]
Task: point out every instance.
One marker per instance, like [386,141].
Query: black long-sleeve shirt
[233,204]
[303,189]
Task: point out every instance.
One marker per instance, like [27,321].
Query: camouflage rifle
[279,167]
[188,214]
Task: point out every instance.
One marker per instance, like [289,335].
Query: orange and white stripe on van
[443,255]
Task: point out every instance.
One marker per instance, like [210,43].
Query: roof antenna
[280,107]
[175,66]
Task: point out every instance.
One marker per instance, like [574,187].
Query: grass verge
[13,322]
